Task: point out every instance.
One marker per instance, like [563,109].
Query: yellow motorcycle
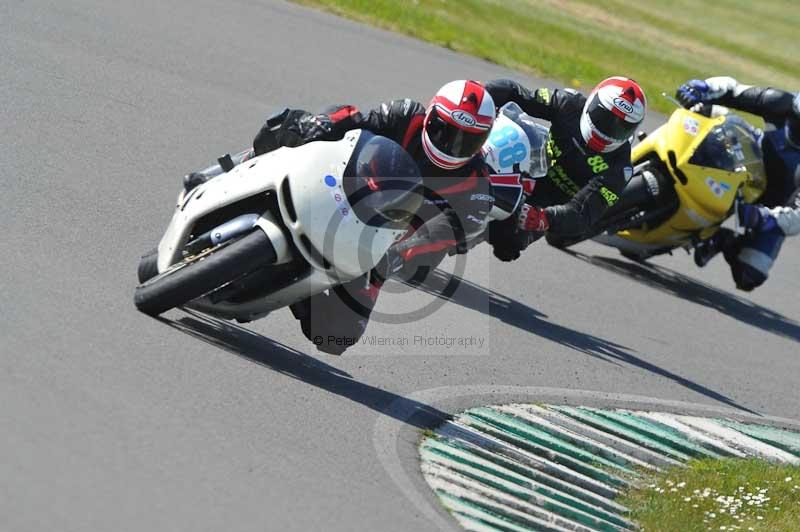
[690,175]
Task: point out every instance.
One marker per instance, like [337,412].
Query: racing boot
[705,250]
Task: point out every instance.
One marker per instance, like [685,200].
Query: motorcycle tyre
[190,279]
[148,266]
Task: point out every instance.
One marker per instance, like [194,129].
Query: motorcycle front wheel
[148,266]
[199,274]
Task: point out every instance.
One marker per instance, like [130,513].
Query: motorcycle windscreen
[537,164]
[733,146]
[382,182]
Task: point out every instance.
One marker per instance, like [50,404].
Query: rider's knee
[751,268]
[337,320]
[748,278]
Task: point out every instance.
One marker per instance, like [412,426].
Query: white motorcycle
[282,227]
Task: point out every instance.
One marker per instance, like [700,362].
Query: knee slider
[747,277]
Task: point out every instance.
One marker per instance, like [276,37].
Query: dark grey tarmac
[110,420]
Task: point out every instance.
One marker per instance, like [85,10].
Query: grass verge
[725,495]
[661,43]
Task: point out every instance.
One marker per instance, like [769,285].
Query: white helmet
[612,112]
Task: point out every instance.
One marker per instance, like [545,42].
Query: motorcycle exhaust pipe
[230,229]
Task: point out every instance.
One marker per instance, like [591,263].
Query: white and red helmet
[457,123]
[613,111]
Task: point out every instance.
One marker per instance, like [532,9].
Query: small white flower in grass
[687,499]
[759,517]
[683,484]
[695,506]
[787,479]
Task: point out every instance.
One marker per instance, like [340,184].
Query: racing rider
[444,139]
[751,256]
[590,157]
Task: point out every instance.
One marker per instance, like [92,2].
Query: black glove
[291,127]
[507,239]
[692,92]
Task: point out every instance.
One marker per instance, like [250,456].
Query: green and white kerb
[554,468]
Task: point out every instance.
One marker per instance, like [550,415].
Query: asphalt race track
[110,420]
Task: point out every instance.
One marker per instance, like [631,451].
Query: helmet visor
[452,140]
[609,124]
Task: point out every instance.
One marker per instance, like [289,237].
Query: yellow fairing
[706,194]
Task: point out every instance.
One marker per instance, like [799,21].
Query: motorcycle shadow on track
[679,285]
[288,361]
[521,316]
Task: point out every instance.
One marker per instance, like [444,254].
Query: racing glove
[692,92]
[698,91]
[532,219]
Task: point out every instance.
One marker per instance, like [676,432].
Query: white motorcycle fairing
[314,218]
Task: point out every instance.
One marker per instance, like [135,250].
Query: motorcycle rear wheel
[205,272]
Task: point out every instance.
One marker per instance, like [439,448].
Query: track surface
[111,420]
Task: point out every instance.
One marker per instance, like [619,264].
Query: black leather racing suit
[456,204]
[581,183]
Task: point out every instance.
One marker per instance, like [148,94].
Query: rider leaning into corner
[751,256]
[445,140]
[590,156]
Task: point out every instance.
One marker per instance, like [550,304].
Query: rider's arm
[773,105]
[580,214]
[541,103]
[294,127]
[390,119]
[394,120]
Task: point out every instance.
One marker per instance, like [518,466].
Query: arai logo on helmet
[623,105]
[464,118]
